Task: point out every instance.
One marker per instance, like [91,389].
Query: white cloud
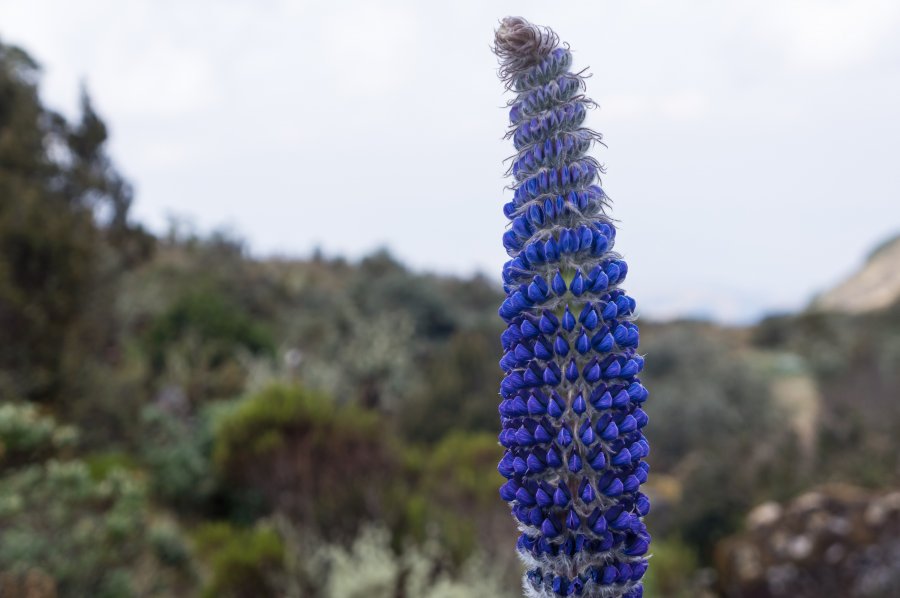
[371,46]
[830,34]
[683,105]
[161,80]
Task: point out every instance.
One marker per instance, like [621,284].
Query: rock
[833,542]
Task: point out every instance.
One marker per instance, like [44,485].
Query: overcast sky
[754,147]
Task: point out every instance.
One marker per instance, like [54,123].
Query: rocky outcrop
[834,542]
[875,286]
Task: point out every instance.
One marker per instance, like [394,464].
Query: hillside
[875,286]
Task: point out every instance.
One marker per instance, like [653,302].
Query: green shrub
[306,457]
[101,465]
[198,344]
[27,435]
[458,379]
[673,566]
[88,535]
[456,497]
[177,453]
[468,461]
[256,425]
[243,563]
[211,316]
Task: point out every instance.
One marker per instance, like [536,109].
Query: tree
[64,235]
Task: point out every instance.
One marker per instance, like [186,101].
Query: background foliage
[181,419]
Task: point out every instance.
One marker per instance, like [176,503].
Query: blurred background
[249,279]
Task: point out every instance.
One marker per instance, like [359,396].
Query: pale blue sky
[752,157]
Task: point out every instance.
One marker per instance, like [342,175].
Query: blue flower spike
[571,411]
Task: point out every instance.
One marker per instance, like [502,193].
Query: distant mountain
[875,286]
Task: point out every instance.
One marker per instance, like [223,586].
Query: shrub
[242,562]
[87,535]
[457,496]
[27,435]
[177,453]
[198,341]
[306,457]
[370,568]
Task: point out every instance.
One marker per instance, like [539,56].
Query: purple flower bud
[577,284]
[602,343]
[573,521]
[579,406]
[558,284]
[601,399]
[561,346]
[524,437]
[534,252]
[552,375]
[613,371]
[535,407]
[631,484]
[586,492]
[549,529]
[520,466]
[535,465]
[556,407]
[630,368]
[542,350]
[574,462]
[621,458]
[628,424]
[553,458]
[532,377]
[549,323]
[610,432]
[592,371]
[613,272]
[598,461]
[642,505]
[528,329]
[523,496]
[551,250]
[543,498]
[610,311]
[586,433]
[640,417]
[542,435]
[572,371]
[582,343]
[564,437]
[523,353]
[508,491]
[615,488]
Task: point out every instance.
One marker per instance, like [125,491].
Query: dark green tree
[64,238]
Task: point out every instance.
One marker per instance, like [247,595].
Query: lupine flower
[571,398]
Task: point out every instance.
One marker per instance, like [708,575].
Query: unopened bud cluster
[571,408]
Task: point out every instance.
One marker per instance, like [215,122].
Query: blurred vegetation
[181,419]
